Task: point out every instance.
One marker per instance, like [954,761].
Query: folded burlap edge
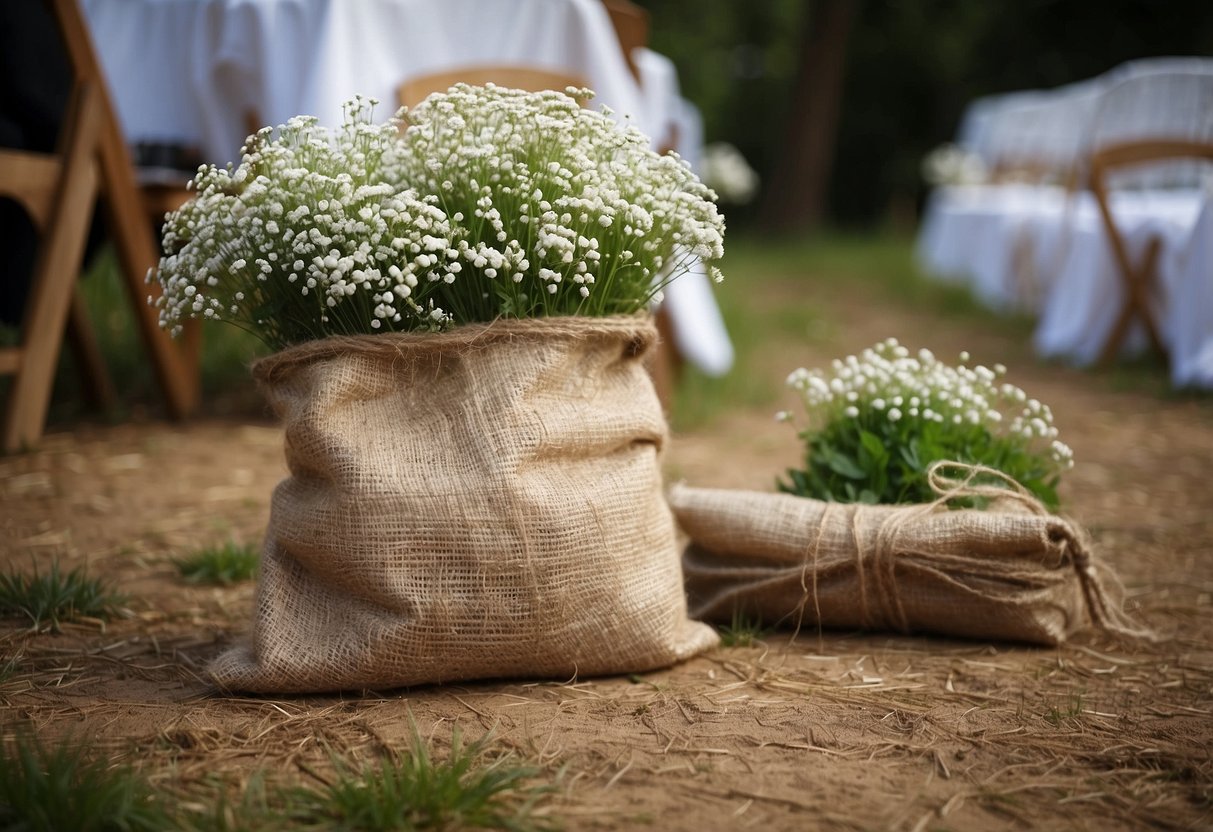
[637,332]
[1102,590]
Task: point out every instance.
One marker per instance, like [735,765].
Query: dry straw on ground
[830,730]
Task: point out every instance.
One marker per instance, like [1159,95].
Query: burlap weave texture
[474,504]
[1012,572]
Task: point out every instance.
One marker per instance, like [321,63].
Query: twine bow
[880,603]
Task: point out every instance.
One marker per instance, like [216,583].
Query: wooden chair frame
[57,191]
[1140,279]
[175,366]
[631,23]
[532,79]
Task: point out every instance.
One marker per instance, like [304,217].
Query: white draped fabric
[1044,249]
[1189,320]
[191,70]
[1088,292]
[695,320]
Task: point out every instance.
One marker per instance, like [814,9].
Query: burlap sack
[480,503]
[1010,572]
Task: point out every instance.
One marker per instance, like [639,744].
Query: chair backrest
[1154,127]
[532,79]
[1038,136]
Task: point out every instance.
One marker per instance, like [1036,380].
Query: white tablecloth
[1088,292]
[1003,241]
[191,70]
[196,71]
[1189,320]
[1045,251]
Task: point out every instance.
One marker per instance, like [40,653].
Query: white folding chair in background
[1153,132]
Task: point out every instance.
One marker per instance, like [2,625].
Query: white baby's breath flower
[493,202]
[892,384]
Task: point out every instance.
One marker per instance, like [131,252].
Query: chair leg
[663,362]
[90,366]
[1137,284]
[54,281]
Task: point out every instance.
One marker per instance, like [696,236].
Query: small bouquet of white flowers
[473,442]
[950,164]
[924,505]
[728,173]
[880,419]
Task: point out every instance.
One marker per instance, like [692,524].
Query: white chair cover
[1190,315]
[1038,248]
[190,70]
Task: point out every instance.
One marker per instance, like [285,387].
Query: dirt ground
[830,731]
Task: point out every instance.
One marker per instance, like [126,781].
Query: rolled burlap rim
[638,330]
[879,598]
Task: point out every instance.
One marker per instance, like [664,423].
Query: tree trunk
[796,193]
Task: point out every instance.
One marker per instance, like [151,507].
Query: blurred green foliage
[912,67]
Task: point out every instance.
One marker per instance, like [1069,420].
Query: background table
[195,71]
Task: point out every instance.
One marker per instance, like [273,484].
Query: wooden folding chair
[1140,279]
[57,191]
[532,79]
[175,366]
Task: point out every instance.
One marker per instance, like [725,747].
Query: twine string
[876,555]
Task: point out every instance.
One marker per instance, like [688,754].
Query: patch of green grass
[254,810]
[743,631]
[774,297]
[8,668]
[412,791]
[226,350]
[1072,707]
[61,788]
[49,598]
[222,565]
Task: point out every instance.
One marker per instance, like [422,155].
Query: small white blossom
[331,220]
[888,380]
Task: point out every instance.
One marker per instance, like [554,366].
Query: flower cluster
[728,173]
[490,203]
[881,418]
[949,164]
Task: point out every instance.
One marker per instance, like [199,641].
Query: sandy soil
[832,731]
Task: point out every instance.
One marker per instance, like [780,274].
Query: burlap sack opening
[480,503]
[1010,572]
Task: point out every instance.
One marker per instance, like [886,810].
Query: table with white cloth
[196,72]
[193,70]
[1003,241]
[1046,251]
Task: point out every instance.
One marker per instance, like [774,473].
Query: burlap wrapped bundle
[480,503]
[1009,572]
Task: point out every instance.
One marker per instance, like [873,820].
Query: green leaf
[871,443]
[845,466]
